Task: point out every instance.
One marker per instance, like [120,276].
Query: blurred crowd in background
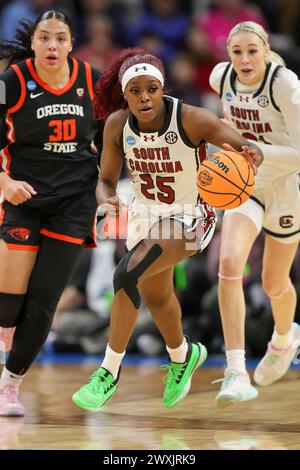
[190,37]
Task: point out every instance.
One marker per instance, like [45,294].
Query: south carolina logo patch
[286,221]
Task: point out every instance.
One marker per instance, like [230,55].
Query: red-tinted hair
[108,92]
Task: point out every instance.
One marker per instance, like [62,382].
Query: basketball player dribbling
[159,138]
[261,100]
[47,180]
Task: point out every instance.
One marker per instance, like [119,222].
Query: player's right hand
[17,192]
[112,206]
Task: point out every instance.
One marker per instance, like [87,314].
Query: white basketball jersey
[255,115]
[163,164]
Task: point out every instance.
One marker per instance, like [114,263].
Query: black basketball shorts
[71,219]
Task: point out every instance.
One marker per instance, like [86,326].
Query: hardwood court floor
[135,418]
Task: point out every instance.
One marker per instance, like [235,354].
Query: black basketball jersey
[50,132]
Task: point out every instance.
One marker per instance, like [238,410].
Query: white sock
[236,359]
[178,354]
[282,341]
[8,378]
[112,361]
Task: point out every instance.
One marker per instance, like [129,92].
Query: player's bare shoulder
[115,123]
[117,119]
[196,120]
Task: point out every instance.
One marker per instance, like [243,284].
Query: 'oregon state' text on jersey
[50,133]
[162,164]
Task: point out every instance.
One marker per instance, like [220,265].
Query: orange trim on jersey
[49,88]
[59,236]
[23,90]
[89,79]
[6,159]
[12,246]
[10,134]
[2,211]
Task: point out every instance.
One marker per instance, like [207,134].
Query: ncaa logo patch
[228,96]
[31,85]
[130,140]
[263,101]
[171,137]
[286,221]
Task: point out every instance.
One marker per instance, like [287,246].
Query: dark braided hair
[20,48]
[108,92]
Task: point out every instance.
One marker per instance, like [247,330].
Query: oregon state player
[159,138]
[48,178]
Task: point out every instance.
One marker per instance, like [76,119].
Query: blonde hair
[255,28]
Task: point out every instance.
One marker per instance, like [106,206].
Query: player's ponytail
[20,48]
[272,55]
[108,91]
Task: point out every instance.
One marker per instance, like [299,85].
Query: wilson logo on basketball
[205,178]
[218,163]
[19,233]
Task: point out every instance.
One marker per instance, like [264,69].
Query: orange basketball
[225,180]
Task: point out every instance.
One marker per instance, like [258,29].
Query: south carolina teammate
[48,179]
[159,138]
[261,99]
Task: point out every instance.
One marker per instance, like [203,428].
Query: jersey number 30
[164,194]
[62,130]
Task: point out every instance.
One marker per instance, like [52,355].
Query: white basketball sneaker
[10,404]
[236,387]
[276,362]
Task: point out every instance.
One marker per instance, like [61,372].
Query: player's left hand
[113,205]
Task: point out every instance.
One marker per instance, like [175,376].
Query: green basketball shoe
[179,377]
[100,387]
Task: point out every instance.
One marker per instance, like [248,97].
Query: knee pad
[10,309]
[281,294]
[128,280]
[31,333]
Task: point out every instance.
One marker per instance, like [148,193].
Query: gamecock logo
[286,221]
